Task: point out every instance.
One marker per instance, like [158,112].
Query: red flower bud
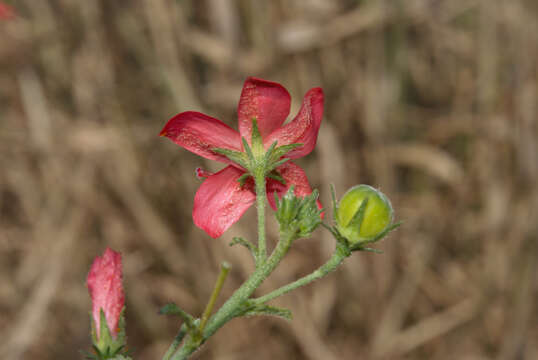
[106,290]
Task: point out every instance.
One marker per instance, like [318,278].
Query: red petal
[304,128]
[220,201]
[293,174]
[200,133]
[267,101]
[106,290]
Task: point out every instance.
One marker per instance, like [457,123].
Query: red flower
[221,200]
[106,290]
[6,12]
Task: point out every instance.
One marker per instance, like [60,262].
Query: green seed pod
[367,225]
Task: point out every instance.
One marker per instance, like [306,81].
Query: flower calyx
[109,344]
[255,158]
[299,216]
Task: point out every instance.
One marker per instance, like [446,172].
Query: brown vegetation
[435,102]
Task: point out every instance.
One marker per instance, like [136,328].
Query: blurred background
[433,101]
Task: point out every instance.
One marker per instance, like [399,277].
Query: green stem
[224,269]
[264,267]
[259,180]
[230,308]
[337,258]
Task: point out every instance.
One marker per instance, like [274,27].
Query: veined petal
[304,128]
[295,176]
[267,101]
[200,133]
[221,201]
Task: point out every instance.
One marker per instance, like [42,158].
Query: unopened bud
[360,223]
[108,300]
[299,215]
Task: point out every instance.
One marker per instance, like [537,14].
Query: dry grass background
[433,101]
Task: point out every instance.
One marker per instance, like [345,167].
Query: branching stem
[323,270]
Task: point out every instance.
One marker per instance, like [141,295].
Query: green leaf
[250,246]
[173,309]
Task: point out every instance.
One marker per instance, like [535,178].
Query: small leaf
[173,309]
[250,246]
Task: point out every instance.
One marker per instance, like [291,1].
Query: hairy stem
[323,270]
[264,268]
[260,208]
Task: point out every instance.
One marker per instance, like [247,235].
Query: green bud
[298,215]
[363,214]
